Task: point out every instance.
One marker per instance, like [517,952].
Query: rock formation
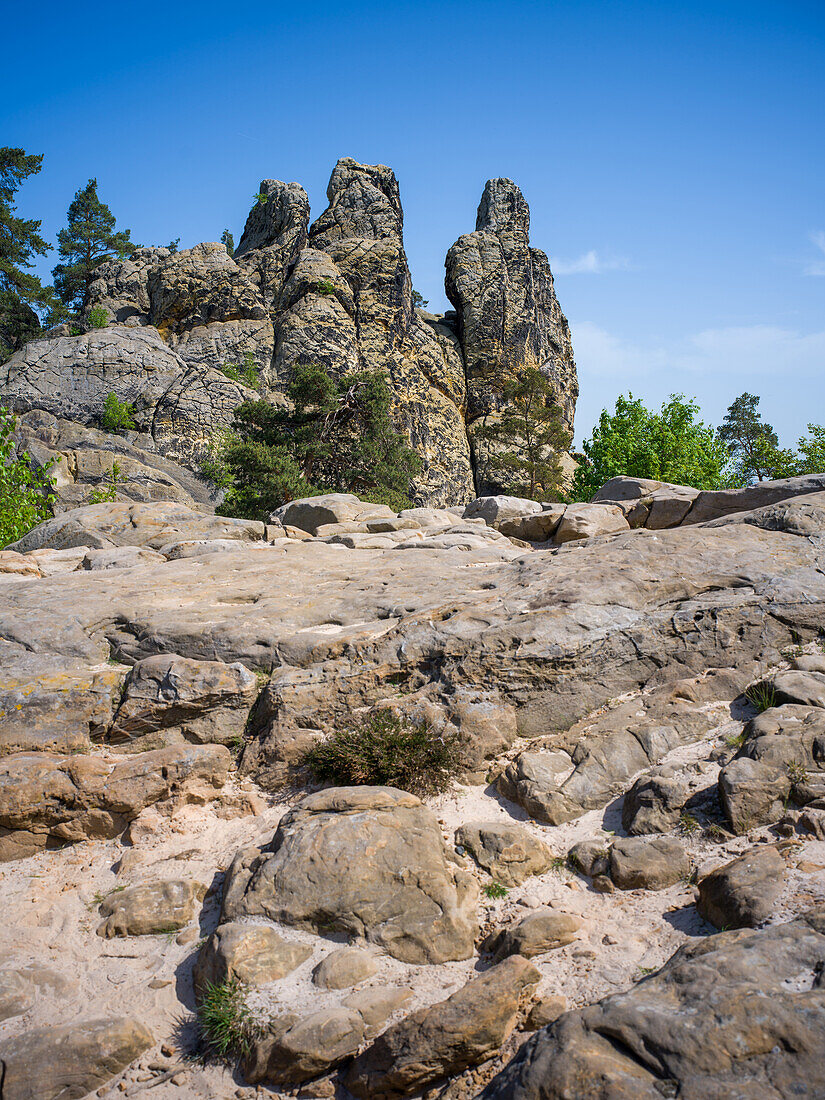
[337,292]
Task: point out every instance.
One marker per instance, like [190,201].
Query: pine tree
[752,443]
[89,239]
[228,241]
[21,292]
[523,442]
[337,437]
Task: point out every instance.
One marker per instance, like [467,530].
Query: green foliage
[117,415]
[761,695]
[228,241]
[523,442]
[89,239]
[226,1025]
[688,825]
[248,373]
[325,287]
[98,318]
[260,198]
[174,245]
[26,494]
[670,445]
[812,450]
[418,300]
[21,293]
[494,890]
[752,444]
[337,437]
[797,773]
[387,751]
[106,492]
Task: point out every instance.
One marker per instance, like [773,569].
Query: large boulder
[155,526]
[541,931]
[713,504]
[368,861]
[743,893]
[68,1061]
[585,521]
[253,954]
[508,852]
[753,793]
[655,802]
[445,1038]
[200,701]
[741,1014]
[648,863]
[150,908]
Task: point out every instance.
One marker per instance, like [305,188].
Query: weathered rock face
[180,406]
[756,1011]
[369,861]
[338,293]
[509,317]
[743,893]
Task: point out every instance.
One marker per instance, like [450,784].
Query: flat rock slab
[508,852]
[369,861]
[648,863]
[150,908]
[744,892]
[796,686]
[251,953]
[70,1061]
[741,1014]
[445,1038]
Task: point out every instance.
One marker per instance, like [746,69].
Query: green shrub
[117,415]
[107,490]
[98,318]
[226,1025]
[387,751]
[26,491]
[494,890]
[247,374]
[325,287]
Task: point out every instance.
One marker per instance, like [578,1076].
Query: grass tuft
[226,1025]
[387,751]
[688,825]
[761,695]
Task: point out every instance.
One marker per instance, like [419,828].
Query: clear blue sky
[672,154]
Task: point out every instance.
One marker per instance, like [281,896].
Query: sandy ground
[50,918]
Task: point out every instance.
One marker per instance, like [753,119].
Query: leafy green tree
[812,450]
[522,444]
[669,445]
[752,444]
[21,293]
[337,437]
[228,241]
[89,239]
[26,493]
[419,301]
[174,245]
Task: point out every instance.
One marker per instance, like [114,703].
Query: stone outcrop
[738,1014]
[508,315]
[338,293]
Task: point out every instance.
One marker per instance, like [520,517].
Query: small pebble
[188,935]
[529,901]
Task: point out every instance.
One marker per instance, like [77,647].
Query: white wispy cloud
[589,263]
[817,267]
[735,350]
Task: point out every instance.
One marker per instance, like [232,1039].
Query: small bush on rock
[98,318]
[26,493]
[226,1025]
[387,751]
[117,415]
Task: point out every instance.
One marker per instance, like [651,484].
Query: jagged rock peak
[280,217]
[364,201]
[503,207]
